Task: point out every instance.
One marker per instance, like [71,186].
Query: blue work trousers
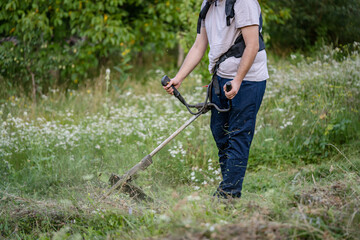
[233,132]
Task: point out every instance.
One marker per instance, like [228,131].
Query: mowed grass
[302,179]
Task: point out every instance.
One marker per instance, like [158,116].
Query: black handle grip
[165,81]
[228,86]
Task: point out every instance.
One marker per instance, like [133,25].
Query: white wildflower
[193,198]
[164,218]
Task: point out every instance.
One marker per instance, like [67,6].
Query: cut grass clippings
[298,206]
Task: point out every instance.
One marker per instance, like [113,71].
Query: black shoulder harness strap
[202,15]
[229,12]
[235,50]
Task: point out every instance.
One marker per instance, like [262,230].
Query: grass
[302,181]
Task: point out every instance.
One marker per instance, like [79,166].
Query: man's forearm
[194,56]
[191,61]
[251,38]
[246,62]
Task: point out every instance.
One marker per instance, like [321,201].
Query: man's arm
[251,38]
[192,59]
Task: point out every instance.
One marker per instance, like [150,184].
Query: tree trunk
[180,55]
[33,85]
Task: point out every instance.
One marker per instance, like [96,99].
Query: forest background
[66,43]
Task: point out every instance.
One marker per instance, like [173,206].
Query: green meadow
[57,155]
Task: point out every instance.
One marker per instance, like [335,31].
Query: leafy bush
[46,44]
[66,42]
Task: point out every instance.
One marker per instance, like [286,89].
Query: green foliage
[66,42]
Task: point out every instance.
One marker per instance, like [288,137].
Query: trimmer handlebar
[228,86]
[165,81]
[201,107]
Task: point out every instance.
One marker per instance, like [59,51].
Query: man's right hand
[173,82]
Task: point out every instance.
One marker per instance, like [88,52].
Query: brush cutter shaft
[147,160]
[188,122]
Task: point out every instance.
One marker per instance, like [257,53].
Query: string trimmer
[124,182]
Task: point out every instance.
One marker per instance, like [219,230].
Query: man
[233,131]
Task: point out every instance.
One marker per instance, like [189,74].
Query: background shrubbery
[294,25]
[66,43]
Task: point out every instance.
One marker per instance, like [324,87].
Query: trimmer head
[129,188]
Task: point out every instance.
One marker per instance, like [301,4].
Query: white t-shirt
[221,37]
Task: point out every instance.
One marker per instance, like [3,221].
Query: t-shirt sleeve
[247,13]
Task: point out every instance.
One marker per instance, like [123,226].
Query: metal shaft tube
[146,161]
[188,122]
